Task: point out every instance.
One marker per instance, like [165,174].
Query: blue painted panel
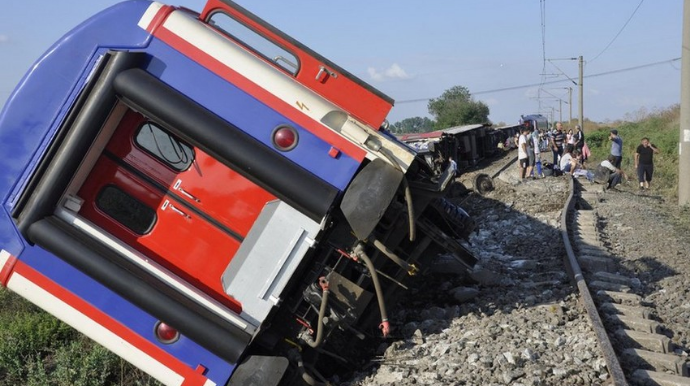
[54,82]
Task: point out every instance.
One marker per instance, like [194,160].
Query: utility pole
[560,110]
[684,144]
[581,119]
[570,103]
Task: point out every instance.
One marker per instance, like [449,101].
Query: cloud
[392,72]
[4,38]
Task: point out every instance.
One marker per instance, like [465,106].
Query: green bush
[662,128]
[36,349]
[597,139]
[80,363]
[25,336]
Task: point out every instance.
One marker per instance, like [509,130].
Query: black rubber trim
[163,302]
[227,143]
[158,186]
[75,136]
[59,138]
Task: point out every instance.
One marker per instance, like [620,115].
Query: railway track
[633,339]
[528,327]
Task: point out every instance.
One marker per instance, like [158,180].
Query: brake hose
[322,314]
[385,325]
[295,356]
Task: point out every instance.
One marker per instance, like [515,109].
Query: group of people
[570,153]
[558,140]
[644,161]
[529,153]
[530,144]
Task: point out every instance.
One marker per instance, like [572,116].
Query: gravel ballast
[520,321]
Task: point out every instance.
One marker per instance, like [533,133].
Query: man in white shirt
[537,153]
[567,161]
[523,160]
[607,173]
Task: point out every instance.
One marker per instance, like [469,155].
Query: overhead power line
[619,32]
[554,81]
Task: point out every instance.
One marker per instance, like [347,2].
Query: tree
[456,107]
[413,125]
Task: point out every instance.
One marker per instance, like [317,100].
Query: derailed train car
[210,199]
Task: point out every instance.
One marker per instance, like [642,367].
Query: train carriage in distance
[210,199]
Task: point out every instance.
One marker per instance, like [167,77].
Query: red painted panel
[343,89]
[186,244]
[209,185]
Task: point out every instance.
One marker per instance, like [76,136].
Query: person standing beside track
[616,148]
[452,166]
[644,162]
[523,158]
[557,143]
[537,154]
[580,142]
[529,146]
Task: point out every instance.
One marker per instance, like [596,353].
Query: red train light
[165,333]
[284,138]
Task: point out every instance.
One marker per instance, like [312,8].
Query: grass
[36,349]
[661,127]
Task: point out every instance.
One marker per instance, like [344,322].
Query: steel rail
[612,362]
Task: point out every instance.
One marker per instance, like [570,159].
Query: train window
[165,147]
[126,210]
[255,42]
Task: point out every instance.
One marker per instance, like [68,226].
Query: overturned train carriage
[213,211]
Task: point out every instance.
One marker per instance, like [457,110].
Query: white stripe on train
[269,78]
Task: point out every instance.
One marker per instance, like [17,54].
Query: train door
[171,202]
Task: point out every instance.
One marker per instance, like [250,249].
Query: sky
[516,56]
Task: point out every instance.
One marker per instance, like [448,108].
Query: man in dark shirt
[557,143]
[644,162]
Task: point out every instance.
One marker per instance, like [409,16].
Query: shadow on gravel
[520,253]
[521,298]
[606,249]
[522,281]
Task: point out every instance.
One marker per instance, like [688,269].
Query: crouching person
[607,173]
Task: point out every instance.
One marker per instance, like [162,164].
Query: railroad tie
[635,324]
[632,311]
[608,286]
[620,297]
[659,362]
[652,342]
[616,278]
[662,379]
[594,263]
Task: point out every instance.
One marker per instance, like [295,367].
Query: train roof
[463,129]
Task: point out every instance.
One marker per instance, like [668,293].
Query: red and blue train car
[210,199]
